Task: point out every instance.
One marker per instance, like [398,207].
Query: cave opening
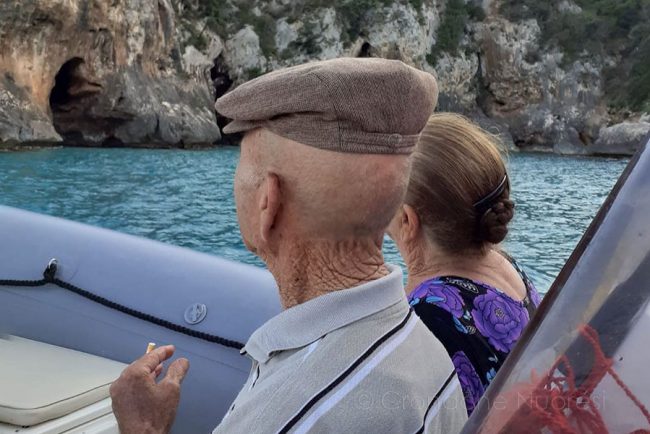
[221,83]
[364,51]
[64,81]
[71,102]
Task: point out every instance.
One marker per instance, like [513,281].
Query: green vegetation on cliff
[225,17]
[353,13]
[598,29]
[615,33]
[455,17]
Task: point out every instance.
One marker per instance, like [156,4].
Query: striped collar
[305,323]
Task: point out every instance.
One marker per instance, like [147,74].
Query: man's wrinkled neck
[308,269]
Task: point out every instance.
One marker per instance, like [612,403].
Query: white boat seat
[97,418]
[41,382]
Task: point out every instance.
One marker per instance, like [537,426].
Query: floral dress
[477,323]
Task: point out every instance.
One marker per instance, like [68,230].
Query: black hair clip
[486,203]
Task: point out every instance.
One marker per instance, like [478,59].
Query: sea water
[185,198]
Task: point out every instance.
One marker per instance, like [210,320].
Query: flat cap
[369,105]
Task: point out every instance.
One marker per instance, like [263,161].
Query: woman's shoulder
[451,294]
[442,291]
[448,289]
[453,307]
[531,290]
[456,295]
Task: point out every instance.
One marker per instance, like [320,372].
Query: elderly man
[324,165]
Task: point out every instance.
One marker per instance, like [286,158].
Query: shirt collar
[305,323]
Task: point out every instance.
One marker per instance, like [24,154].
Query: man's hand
[140,404]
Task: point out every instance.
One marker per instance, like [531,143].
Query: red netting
[555,404]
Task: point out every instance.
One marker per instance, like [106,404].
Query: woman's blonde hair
[456,166]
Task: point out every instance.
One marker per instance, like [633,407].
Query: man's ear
[409,223]
[269,205]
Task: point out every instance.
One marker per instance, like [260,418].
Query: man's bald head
[324,166]
[324,194]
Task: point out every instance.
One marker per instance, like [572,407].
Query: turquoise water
[185,198]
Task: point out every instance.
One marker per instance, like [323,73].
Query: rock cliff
[99,73]
[146,72]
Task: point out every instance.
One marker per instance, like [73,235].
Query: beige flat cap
[369,106]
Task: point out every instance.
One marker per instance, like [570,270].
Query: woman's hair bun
[493,226]
[459,185]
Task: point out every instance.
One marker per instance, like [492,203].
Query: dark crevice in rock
[365,50]
[65,80]
[486,100]
[482,91]
[42,18]
[528,139]
[221,83]
[220,77]
[112,142]
[72,101]
[532,57]
[176,57]
[585,138]
[165,21]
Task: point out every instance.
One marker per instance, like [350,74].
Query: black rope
[49,277]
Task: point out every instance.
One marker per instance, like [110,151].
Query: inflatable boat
[77,303]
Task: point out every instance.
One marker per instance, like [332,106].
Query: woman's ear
[269,206]
[394,227]
[409,223]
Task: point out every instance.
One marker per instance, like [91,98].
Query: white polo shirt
[352,361]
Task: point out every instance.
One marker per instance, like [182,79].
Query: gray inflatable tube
[169,283]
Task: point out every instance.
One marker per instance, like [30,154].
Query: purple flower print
[444,296]
[470,382]
[500,319]
[422,290]
[534,296]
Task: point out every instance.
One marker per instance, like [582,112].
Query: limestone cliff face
[501,73]
[542,103]
[147,71]
[98,72]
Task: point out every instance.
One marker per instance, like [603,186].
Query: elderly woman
[473,297]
